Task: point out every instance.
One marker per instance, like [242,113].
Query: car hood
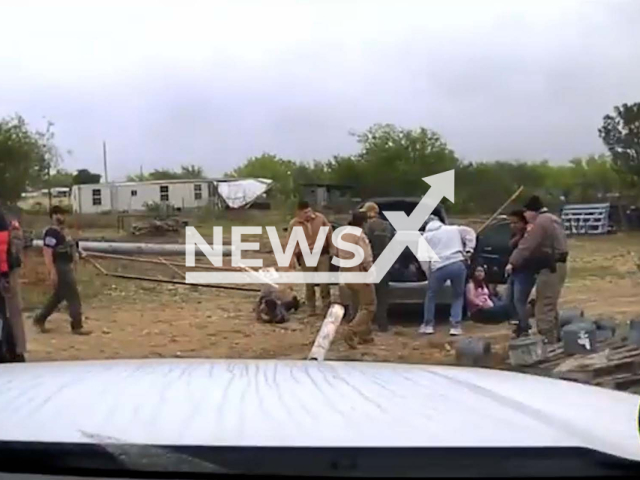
[297,403]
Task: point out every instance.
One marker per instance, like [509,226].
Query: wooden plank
[175,269]
[502,207]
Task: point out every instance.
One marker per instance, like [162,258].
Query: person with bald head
[379,232]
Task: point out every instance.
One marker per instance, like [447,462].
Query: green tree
[186,172]
[61,178]
[27,157]
[85,177]
[393,161]
[270,166]
[192,172]
[620,133]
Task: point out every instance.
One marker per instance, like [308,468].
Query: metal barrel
[569,315]
[634,332]
[473,352]
[605,328]
[580,337]
[526,350]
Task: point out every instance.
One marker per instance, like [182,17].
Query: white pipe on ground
[126,248]
[327,332]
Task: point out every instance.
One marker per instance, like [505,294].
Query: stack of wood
[616,365]
[157,227]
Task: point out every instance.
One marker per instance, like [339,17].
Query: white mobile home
[132,196]
[182,194]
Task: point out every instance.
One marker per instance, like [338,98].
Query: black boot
[519,332]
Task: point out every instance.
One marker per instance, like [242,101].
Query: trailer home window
[134,193]
[197,191]
[164,193]
[96,197]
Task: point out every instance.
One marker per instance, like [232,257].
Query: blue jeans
[456,273]
[519,288]
[501,311]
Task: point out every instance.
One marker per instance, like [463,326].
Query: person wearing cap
[60,256]
[379,232]
[543,250]
[453,246]
[363,294]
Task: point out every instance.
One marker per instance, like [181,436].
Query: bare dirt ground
[132,319]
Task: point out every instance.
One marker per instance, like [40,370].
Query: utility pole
[104,157]
[49,184]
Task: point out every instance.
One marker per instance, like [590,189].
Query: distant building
[181,194]
[39,199]
[327,194]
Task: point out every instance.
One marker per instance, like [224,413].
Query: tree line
[391,161]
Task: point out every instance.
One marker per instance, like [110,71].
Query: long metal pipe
[126,248]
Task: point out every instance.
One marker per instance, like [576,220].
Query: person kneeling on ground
[275,304]
[482,305]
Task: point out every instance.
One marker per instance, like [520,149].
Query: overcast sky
[215,82]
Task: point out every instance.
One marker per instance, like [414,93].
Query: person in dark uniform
[61,255]
[379,232]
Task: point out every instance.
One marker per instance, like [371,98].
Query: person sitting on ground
[275,304]
[482,305]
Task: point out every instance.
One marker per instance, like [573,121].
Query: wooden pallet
[616,365]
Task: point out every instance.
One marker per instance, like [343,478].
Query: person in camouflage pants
[379,232]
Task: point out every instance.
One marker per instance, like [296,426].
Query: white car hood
[297,403]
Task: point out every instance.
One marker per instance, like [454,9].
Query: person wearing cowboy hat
[544,250]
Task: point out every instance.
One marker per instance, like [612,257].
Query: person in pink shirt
[481,304]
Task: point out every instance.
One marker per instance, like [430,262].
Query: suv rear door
[493,251]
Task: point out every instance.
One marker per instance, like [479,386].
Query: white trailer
[132,196]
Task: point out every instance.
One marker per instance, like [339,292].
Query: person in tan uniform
[543,250]
[379,232]
[311,222]
[364,294]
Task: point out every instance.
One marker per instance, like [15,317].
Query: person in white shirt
[453,245]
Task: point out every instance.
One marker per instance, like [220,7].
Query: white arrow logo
[408,228]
